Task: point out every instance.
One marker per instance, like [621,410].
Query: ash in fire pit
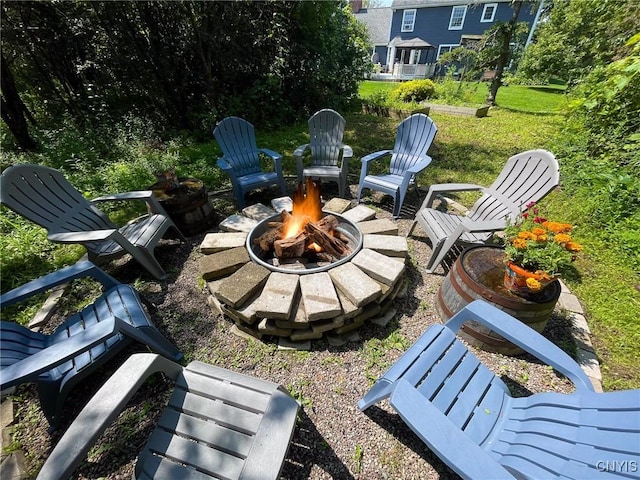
[307,240]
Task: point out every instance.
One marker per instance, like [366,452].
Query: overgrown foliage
[577,36]
[603,146]
[182,65]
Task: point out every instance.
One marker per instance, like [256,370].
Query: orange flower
[527,235]
[562,238]
[541,238]
[573,246]
[557,227]
[538,231]
[520,243]
[533,284]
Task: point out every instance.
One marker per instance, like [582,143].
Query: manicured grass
[368,87]
[521,98]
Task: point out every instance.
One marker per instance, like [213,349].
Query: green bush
[454,92]
[414,91]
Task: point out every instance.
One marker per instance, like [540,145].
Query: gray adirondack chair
[527,177]
[218,424]
[241,159]
[79,345]
[408,158]
[329,156]
[466,416]
[44,196]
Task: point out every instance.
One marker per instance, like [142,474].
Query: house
[420,31]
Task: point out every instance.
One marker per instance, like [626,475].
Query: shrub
[454,92]
[414,91]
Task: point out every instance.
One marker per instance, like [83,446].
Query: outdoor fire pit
[310,260]
[304,291]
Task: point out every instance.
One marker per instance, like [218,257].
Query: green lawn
[520,98]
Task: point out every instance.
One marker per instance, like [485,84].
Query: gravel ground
[333,439]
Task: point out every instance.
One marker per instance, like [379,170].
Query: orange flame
[305,209]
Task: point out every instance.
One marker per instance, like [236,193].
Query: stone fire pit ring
[294,308]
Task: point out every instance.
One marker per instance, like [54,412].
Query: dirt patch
[333,439]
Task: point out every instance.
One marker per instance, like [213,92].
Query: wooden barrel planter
[188,205]
[478,273]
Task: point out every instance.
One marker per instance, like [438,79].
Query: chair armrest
[298,152]
[274,155]
[434,190]
[79,237]
[223,164]
[418,167]
[136,195]
[374,156]
[443,437]
[347,151]
[30,367]
[64,275]
[146,195]
[413,170]
[524,337]
[484,226]
[226,167]
[101,410]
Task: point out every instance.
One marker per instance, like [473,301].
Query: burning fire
[305,209]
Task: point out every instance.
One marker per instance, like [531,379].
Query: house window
[457,17]
[444,48]
[489,12]
[408,20]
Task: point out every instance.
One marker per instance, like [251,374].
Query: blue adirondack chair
[526,177]
[82,343]
[217,424]
[43,196]
[326,129]
[408,158]
[466,416]
[241,159]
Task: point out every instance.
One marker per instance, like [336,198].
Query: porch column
[391,57]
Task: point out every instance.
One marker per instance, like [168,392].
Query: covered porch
[409,59]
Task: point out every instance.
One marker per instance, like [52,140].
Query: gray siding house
[419,31]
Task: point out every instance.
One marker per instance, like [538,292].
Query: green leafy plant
[414,91]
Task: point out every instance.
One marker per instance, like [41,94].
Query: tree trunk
[504,53]
[14,111]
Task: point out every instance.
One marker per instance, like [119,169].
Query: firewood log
[267,239]
[291,247]
[331,245]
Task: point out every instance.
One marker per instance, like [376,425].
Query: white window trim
[484,11]
[453,9]
[450,46]
[413,23]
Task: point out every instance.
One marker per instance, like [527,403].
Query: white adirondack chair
[217,424]
[527,177]
[408,158]
[326,128]
[44,196]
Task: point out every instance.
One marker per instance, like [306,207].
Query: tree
[13,110]
[576,36]
[495,49]
[184,65]
[499,45]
